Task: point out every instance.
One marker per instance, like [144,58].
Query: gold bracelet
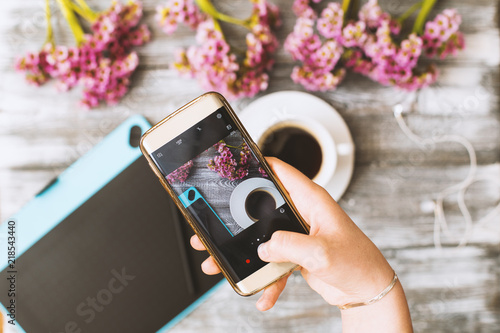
[374,299]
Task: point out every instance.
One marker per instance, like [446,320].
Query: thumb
[287,246]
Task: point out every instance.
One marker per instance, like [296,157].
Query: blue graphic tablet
[102,248]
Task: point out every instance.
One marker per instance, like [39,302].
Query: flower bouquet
[212,61]
[102,61]
[333,41]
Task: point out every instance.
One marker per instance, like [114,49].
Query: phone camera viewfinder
[191,195]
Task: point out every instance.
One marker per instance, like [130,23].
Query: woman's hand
[337,259]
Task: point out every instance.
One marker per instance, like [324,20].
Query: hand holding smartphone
[217,176]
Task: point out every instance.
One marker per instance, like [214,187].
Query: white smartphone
[218,178]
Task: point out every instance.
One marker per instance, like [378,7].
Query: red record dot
[247,261]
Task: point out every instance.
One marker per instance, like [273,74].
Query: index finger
[197,244]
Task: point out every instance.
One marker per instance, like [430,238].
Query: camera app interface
[219,180]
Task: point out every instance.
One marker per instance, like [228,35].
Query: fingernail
[262,251]
[262,305]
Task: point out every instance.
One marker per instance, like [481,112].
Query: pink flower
[367,46]
[178,11]
[255,51]
[303,29]
[102,64]
[316,79]
[356,62]
[441,36]
[354,34]
[372,14]
[293,45]
[330,23]
[432,30]
[301,9]
[226,165]
[327,56]
[394,26]
[215,66]
[181,173]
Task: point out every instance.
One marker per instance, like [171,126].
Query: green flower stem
[90,15]
[207,7]
[84,11]
[79,11]
[345,8]
[218,28]
[355,6]
[69,15]
[427,5]
[235,147]
[48,17]
[410,11]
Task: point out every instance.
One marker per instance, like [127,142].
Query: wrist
[374,299]
[389,314]
[369,283]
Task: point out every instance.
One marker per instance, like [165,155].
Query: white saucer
[243,190]
[281,105]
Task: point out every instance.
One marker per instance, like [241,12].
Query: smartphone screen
[219,180]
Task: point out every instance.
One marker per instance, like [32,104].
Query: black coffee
[259,204]
[294,146]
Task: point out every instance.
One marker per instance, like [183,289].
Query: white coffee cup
[317,131]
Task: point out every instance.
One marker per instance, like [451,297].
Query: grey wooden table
[452,290]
